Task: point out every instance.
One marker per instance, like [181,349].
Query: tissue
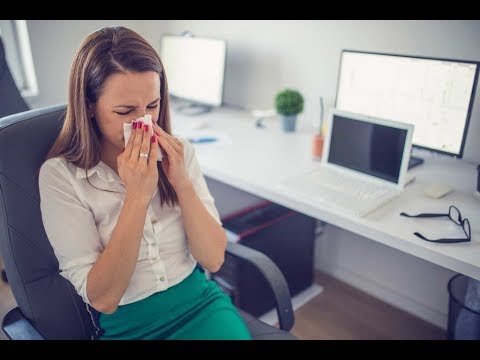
[147,120]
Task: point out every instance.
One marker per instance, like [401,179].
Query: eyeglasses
[455,216]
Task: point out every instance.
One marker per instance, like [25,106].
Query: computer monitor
[435,95]
[195,69]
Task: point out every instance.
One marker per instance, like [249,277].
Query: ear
[90,110]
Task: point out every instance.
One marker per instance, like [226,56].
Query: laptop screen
[369,148]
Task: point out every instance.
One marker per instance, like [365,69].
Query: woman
[128,230]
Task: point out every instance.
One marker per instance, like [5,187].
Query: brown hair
[106,52]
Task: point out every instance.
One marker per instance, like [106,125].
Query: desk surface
[257,160]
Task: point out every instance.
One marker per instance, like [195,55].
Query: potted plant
[289,103]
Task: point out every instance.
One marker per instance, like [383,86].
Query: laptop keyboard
[339,191]
[336,181]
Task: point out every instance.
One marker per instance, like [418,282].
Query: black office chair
[11,102]
[48,305]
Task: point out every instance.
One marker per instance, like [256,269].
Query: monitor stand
[193,109]
[415,161]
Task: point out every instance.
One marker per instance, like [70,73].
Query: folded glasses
[454,215]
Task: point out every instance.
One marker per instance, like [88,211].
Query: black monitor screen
[435,95]
[366,147]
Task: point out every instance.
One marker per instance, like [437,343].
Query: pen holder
[317,146]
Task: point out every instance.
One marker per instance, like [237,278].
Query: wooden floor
[340,312]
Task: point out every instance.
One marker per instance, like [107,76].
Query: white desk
[257,160]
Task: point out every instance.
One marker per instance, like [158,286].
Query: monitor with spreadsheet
[435,95]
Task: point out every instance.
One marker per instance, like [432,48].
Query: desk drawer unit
[285,236]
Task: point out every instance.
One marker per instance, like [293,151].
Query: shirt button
[162,279]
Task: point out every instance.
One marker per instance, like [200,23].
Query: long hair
[105,52]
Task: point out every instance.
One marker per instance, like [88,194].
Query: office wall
[54,43]
[267,55]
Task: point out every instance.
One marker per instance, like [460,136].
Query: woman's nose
[140,113]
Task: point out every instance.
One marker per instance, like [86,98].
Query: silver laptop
[364,164]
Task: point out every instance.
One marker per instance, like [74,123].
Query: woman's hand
[173,164]
[137,164]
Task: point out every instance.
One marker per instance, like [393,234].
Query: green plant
[289,102]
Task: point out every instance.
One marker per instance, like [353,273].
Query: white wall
[264,56]
[54,43]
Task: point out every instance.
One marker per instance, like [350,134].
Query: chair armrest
[17,327]
[274,277]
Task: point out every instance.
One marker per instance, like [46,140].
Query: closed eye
[125,113]
[129,111]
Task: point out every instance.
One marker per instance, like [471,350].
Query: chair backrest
[11,102]
[47,299]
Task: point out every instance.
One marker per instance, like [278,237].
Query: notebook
[364,165]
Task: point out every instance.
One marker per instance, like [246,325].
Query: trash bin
[463,308]
[285,236]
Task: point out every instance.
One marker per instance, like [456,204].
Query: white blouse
[79,221]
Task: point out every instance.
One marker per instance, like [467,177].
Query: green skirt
[195,309]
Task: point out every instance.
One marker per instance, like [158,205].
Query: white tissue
[147,120]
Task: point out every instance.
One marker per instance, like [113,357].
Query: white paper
[147,120]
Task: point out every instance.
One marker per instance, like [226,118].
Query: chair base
[262,331]
[17,327]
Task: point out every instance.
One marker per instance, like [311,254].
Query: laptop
[364,165]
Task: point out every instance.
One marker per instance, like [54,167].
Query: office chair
[11,102]
[48,305]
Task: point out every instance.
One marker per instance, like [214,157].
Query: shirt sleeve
[69,225]
[198,180]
